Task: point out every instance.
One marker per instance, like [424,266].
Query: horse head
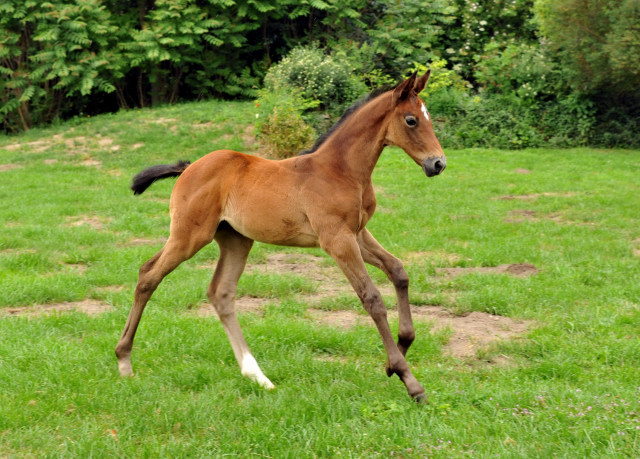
[410,126]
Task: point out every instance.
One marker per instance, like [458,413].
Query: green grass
[572,388]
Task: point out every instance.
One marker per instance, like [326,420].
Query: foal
[324,198]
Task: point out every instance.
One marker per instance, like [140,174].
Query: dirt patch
[519,216]
[470,333]
[205,125]
[135,146]
[9,167]
[146,241]
[522,171]
[331,281]
[434,255]
[104,142]
[533,196]
[523,215]
[94,222]
[89,162]
[16,251]
[161,120]
[517,269]
[90,307]
[80,268]
[50,161]
[111,288]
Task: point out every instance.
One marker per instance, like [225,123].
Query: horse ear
[422,82]
[403,90]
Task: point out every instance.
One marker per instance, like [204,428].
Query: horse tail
[144,179]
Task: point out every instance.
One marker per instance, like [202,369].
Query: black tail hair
[144,179]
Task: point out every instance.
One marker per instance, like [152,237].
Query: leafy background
[522,73]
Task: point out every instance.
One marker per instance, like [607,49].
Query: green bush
[285,133]
[317,76]
[281,129]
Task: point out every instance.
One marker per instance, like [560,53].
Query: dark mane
[347,113]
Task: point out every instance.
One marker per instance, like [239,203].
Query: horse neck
[355,147]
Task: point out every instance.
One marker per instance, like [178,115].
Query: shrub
[317,76]
[279,123]
[285,133]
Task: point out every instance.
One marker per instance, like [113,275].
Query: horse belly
[271,222]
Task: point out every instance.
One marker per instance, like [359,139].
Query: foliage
[541,58]
[599,42]
[317,76]
[441,78]
[478,24]
[280,125]
[50,51]
[285,133]
[409,31]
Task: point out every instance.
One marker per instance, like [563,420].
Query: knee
[373,304]
[400,277]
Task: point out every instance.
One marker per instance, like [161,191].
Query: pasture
[524,269]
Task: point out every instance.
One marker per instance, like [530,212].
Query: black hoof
[421,399]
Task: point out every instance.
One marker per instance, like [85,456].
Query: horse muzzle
[434,166]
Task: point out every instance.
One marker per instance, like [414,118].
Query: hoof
[420,399]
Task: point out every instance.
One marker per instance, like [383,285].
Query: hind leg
[177,249]
[234,250]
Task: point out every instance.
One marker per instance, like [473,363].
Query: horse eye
[411,121]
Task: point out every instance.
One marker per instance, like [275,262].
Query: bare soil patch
[80,268]
[517,269]
[92,221]
[331,281]
[533,196]
[436,255]
[521,215]
[8,167]
[524,215]
[90,307]
[146,241]
[470,333]
[522,171]
[90,162]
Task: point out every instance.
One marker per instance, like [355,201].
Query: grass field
[73,237]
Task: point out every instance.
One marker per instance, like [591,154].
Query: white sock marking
[250,369]
[424,111]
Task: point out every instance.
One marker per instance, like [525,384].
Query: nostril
[438,166]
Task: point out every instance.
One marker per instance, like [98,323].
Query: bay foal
[323,198]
